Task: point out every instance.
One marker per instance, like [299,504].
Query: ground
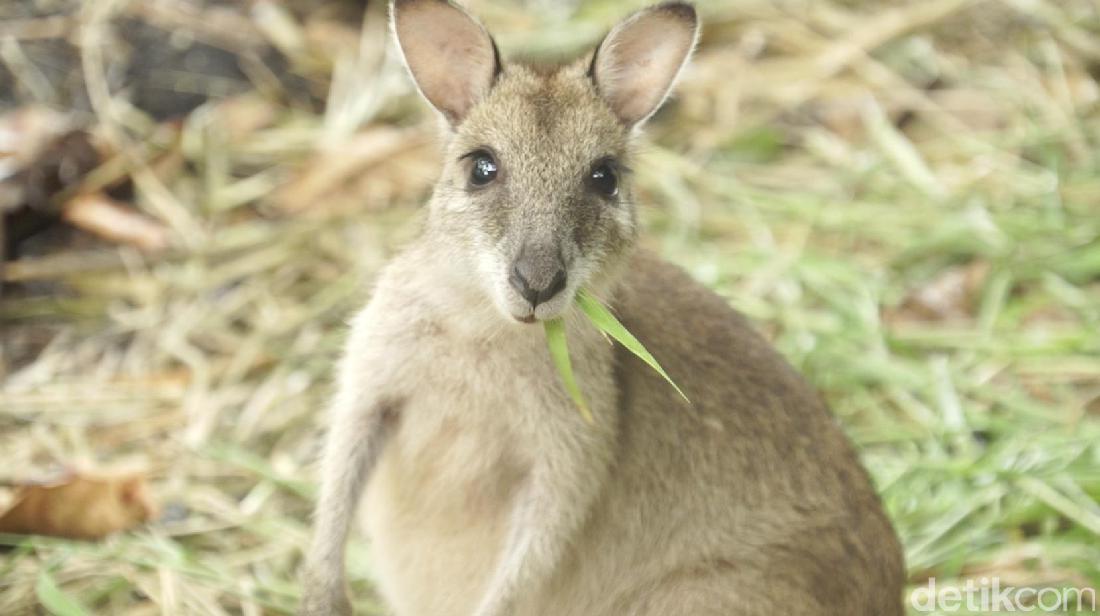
[903,195]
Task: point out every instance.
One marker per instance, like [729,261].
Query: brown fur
[485,491]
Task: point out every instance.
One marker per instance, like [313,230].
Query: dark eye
[484,169]
[603,180]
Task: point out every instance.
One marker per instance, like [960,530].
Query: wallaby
[485,491]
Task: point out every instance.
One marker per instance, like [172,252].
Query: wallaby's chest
[460,448]
[437,505]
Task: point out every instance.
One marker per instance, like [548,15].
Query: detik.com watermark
[989,595]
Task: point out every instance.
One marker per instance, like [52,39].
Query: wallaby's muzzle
[538,273]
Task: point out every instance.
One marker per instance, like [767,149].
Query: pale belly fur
[436,512]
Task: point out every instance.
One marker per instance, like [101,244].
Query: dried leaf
[331,169]
[80,507]
[99,214]
[950,295]
[241,116]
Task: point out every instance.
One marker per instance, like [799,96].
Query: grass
[905,197]
[600,317]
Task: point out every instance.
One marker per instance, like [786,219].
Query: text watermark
[990,595]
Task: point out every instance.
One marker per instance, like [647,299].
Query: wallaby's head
[535,194]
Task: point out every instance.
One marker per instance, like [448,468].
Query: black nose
[536,285]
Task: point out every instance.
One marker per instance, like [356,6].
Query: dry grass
[903,194]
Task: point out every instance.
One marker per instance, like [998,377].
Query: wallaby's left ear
[637,63]
[450,55]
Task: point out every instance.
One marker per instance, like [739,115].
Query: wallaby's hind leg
[725,595]
[745,594]
[696,593]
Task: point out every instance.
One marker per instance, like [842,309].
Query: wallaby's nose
[536,282]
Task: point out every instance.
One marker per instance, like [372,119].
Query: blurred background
[195,194]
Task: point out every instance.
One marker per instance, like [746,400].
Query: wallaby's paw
[496,605]
[321,598]
[315,604]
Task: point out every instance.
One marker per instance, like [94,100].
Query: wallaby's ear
[449,54]
[637,63]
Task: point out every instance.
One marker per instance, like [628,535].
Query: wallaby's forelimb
[358,432]
[550,508]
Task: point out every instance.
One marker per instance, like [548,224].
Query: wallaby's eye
[484,169]
[603,180]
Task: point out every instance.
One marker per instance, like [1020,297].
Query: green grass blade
[602,318]
[559,352]
[54,599]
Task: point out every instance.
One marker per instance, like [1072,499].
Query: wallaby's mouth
[523,310]
[541,312]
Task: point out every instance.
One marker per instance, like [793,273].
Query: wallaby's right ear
[450,55]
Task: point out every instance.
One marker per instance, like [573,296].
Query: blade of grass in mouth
[602,318]
[606,322]
[559,352]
